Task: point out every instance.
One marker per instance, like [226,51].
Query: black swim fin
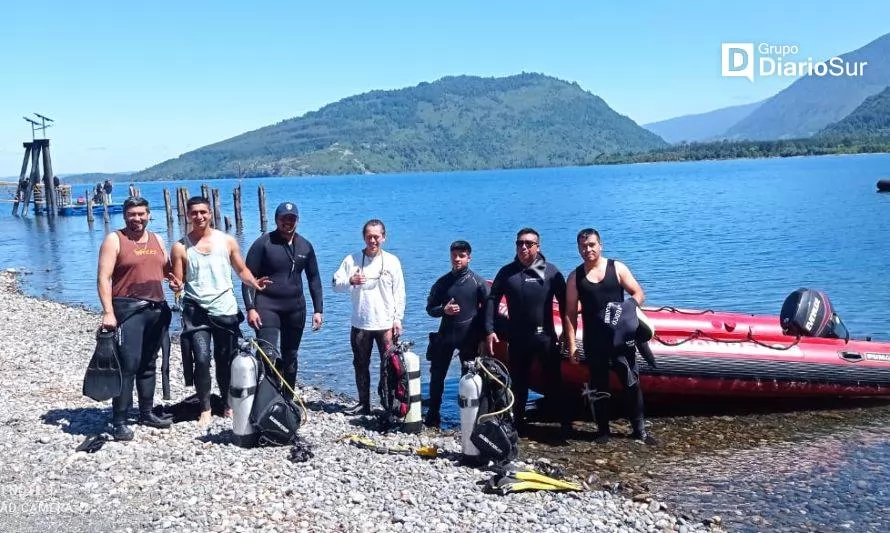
[646,352]
[103,380]
[645,333]
[93,443]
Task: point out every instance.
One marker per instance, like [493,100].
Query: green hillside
[870,119]
[456,123]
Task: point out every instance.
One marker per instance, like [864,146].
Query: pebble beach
[192,479]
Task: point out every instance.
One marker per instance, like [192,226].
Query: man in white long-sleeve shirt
[373,278]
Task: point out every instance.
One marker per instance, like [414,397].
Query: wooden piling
[205,191]
[177,192]
[217,208]
[20,191]
[228,223]
[261,194]
[236,196]
[168,208]
[49,186]
[182,198]
[89,198]
[105,217]
[35,175]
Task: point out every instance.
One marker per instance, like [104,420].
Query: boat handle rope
[699,334]
[680,311]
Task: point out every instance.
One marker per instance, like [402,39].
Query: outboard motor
[242,390]
[400,389]
[808,313]
[469,391]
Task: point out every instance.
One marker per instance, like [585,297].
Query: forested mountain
[871,119]
[455,123]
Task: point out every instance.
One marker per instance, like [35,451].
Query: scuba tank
[469,391]
[486,416]
[413,422]
[242,390]
[400,389]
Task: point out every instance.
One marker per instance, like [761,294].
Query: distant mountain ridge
[811,103]
[702,126]
[455,123]
[799,111]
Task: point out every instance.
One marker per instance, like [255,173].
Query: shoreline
[187,478]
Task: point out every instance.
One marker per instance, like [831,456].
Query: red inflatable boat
[724,355]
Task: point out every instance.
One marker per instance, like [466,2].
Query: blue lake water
[735,235]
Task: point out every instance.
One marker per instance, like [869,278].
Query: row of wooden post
[213,195]
[182,196]
[105,216]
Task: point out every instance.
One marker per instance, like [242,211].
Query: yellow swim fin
[531,475]
[505,485]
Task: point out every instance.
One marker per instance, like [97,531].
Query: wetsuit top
[284,263]
[208,277]
[530,292]
[139,269]
[594,297]
[470,292]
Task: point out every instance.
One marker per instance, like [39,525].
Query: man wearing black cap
[458,298]
[278,314]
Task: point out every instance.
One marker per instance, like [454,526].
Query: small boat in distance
[69,206]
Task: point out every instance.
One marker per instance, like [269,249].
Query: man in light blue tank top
[202,259]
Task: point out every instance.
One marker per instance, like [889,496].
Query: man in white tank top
[202,259]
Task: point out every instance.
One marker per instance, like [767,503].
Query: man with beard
[597,282]
[133,263]
[278,314]
[530,284]
[373,279]
[202,259]
[458,298]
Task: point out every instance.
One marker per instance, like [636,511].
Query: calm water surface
[734,235]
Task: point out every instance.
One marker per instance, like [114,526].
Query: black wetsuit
[530,330]
[141,326]
[198,329]
[461,332]
[600,348]
[282,306]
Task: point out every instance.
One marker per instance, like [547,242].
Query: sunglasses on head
[527,244]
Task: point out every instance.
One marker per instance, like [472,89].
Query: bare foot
[204,419]
[227,412]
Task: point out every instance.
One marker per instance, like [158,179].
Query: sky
[132,84]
